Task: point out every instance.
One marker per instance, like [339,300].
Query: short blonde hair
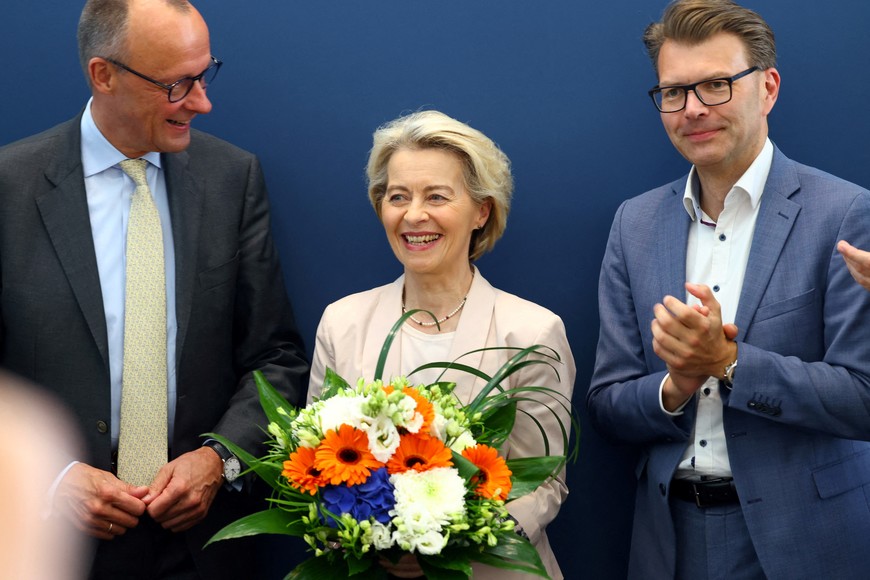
[486,168]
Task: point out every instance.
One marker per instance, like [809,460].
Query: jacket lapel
[64,211]
[473,330]
[185,209]
[776,219]
[672,243]
[387,312]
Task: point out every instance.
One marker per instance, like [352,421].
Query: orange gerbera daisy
[420,453]
[344,456]
[300,471]
[494,478]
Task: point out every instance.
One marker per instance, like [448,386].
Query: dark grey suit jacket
[232,309]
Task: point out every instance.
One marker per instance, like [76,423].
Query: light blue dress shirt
[110,192]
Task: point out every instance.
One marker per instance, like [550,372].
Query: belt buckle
[706,491]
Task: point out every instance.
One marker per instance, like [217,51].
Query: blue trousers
[713,543]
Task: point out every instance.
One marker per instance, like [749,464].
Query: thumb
[161,480]
[844,247]
[730,330]
[137,491]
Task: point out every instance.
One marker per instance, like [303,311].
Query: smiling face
[428,214]
[165,44]
[722,140]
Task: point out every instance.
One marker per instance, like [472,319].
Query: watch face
[232,469]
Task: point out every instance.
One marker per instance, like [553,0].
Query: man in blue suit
[734,349]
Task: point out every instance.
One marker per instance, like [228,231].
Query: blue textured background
[559,84]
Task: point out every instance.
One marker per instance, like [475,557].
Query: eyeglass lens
[184,86]
[710,93]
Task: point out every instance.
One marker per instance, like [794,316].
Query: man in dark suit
[65,211]
[734,349]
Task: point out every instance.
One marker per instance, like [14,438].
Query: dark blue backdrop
[560,85]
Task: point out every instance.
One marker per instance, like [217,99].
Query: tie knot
[135,168]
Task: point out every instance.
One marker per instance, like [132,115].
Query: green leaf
[271,400]
[317,568]
[455,560]
[513,553]
[512,365]
[453,366]
[439,570]
[530,472]
[356,565]
[271,521]
[466,469]
[388,342]
[498,422]
[332,384]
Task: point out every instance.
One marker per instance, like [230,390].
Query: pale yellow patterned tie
[142,448]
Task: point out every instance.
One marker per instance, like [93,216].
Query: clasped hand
[103,506]
[693,342]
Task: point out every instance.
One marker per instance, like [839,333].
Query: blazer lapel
[387,311]
[473,330]
[64,211]
[776,219]
[185,208]
[672,243]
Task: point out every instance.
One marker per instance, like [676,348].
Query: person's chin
[175,145]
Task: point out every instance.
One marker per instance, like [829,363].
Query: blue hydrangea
[374,498]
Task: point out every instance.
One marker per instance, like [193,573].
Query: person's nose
[694,107]
[416,213]
[196,100]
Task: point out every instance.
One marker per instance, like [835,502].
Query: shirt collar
[751,182]
[98,154]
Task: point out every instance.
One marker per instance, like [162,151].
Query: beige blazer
[352,331]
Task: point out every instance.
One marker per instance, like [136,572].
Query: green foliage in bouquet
[374,471]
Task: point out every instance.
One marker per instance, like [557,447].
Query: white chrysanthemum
[383,438]
[337,411]
[438,492]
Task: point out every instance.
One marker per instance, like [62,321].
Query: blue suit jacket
[797,421]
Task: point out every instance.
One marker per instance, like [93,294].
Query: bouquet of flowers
[379,469]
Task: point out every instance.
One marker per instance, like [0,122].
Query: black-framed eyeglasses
[712,92]
[182,87]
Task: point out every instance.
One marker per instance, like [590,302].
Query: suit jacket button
[102,427]
[663,489]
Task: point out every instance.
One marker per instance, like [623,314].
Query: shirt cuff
[676,412]
[52,491]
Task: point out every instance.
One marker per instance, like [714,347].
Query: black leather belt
[720,491]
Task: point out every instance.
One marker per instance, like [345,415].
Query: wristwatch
[232,465]
[728,377]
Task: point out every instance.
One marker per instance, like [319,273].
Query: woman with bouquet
[442,191]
